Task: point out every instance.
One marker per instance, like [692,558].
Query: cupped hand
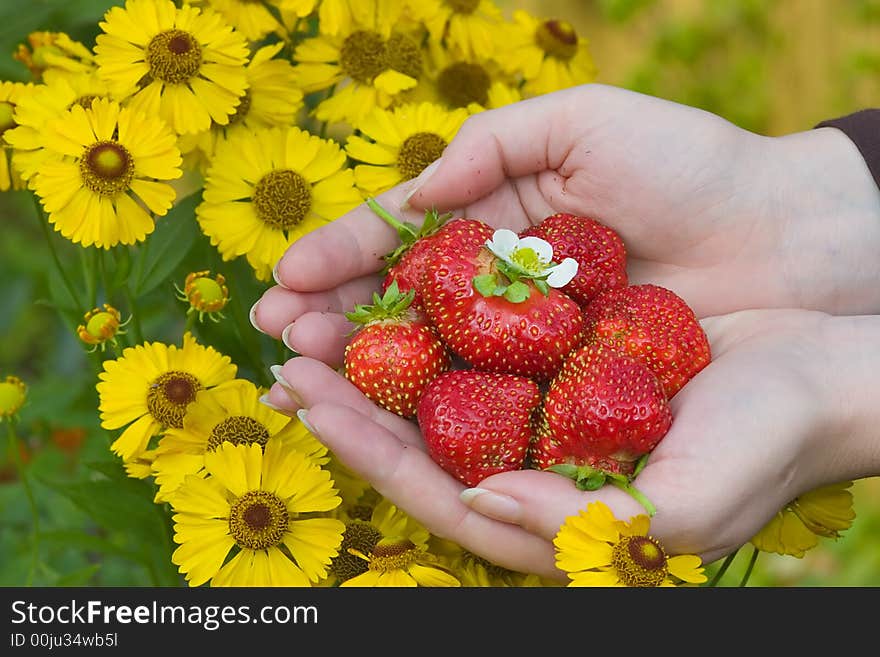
[727,219]
[747,437]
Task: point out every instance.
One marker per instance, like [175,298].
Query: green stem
[190,321]
[32,502]
[638,495]
[44,224]
[88,258]
[401,229]
[724,567]
[751,566]
[137,333]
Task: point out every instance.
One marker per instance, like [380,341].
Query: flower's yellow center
[639,561]
[528,260]
[463,6]
[106,168]
[393,554]
[169,395]
[557,38]
[6,120]
[206,294]
[362,56]
[403,55]
[463,83]
[238,430]
[258,520]
[244,106]
[13,392]
[417,152]
[174,56]
[362,537]
[102,325]
[85,101]
[365,54]
[282,199]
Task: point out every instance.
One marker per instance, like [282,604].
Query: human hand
[764,422]
[727,219]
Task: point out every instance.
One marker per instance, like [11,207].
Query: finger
[280,307]
[415,483]
[513,141]
[349,247]
[319,335]
[310,382]
[543,500]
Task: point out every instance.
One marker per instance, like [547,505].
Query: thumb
[494,145]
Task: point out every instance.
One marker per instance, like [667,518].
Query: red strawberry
[477,424]
[515,328]
[395,354]
[597,248]
[653,324]
[602,413]
[406,264]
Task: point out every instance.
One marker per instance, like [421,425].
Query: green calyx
[391,305]
[586,477]
[508,283]
[408,232]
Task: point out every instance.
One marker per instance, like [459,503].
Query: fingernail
[284,383]
[419,182]
[264,400]
[252,315]
[495,505]
[302,414]
[275,276]
[285,334]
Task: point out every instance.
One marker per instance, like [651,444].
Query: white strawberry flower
[531,257]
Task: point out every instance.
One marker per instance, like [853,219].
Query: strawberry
[489,315]
[597,248]
[477,424]
[601,416]
[653,324]
[395,353]
[406,264]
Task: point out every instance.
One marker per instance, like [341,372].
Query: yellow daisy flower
[149,388]
[109,166]
[824,512]
[475,571]
[396,145]
[471,27]
[366,65]
[266,188]
[228,413]
[260,504]
[391,549]
[13,393]
[60,91]
[11,95]
[53,51]
[549,54]
[185,65]
[270,100]
[293,11]
[596,549]
[252,18]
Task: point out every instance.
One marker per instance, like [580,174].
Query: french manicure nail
[264,400]
[252,315]
[275,275]
[284,383]
[285,335]
[419,182]
[302,414]
[495,505]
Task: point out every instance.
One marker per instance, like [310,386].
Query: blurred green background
[771,66]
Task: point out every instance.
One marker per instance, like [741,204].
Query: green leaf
[79,577]
[592,481]
[640,465]
[164,250]
[542,286]
[565,469]
[486,284]
[517,292]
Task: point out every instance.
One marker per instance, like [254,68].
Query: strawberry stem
[634,492]
[407,234]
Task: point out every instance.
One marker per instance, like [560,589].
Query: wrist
[850,448]
[828,203]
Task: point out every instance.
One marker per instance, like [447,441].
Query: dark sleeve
[863,129]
